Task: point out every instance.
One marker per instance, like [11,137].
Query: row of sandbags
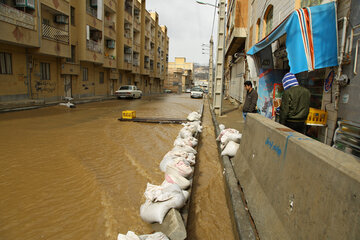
[177,166]
[229,139]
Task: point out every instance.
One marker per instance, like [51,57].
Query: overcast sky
[189,25]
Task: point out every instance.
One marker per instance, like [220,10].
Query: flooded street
[80,173]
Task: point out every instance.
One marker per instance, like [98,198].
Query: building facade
[180,75]
[51,50]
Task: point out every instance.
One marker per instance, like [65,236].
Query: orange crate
[316,117]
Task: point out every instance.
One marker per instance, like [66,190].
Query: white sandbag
[194,116]
[156,193]
[196,125]
[176,178]
[179,167]
[229,136]
[154,236]
[187,149]
[190,141]
[221,127]
[129,236]
[186,195]
[152,212]
[185,133]
[188,157]
[230,149]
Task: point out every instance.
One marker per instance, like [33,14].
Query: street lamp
[204,3]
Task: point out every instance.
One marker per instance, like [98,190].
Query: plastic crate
[128,114]
[316,117]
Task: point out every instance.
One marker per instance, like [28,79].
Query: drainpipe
[39,22]
[340,59]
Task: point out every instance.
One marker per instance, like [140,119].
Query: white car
[196,92]
[128,91]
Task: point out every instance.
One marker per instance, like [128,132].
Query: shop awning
[311,38]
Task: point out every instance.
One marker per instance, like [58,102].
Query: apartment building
[236,33]
[180,75]
[67,48]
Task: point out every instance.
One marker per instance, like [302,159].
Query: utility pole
[219,75]
[211,61]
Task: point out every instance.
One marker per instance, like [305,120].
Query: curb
[239,215]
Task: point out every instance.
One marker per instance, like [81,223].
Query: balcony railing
[56,34]
[16,17]
[93,46]
[91,11]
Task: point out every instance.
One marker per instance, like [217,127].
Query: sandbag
[129,236]
[155,236]
[194,116]
[152,212]
[185,133]
[188,157]
[230,149]
[179,167]
[156,193]
[176,178]
[190,141]
[187,149]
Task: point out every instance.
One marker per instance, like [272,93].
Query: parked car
[188,90]
[128,91]
[167,91]
[206,91]
[196,92]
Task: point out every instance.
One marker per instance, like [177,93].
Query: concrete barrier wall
[296,187]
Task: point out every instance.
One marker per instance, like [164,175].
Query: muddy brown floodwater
[80,174]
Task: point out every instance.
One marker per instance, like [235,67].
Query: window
[5,63]
[45,71]
[101,77]
[268,20]
[72,59]
[258,30]
[72,15]
[85,74]
[310,3]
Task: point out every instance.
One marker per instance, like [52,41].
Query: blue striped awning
[311,38]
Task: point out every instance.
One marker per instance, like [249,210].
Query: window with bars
[72,15]
[85,74]
[5,63]
[45,71]
[101,77]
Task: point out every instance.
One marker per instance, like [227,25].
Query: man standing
[250,100]
[295,104]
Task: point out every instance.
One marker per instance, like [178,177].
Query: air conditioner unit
[25,3]
[127,26]
[93,3]
[110,44]
[61,19]
[128,50]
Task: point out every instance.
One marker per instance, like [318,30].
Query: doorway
[67,86]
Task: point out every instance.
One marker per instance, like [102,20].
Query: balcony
[111,4]
[91,11]
[16,17]
[55,34]
[93,46]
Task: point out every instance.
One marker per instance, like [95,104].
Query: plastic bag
[230,149]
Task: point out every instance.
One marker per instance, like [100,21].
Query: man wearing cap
[295,104]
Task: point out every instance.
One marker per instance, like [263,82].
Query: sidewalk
[232,116]
[27,104]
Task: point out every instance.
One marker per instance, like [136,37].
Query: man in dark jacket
[295,104]
[251,99]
